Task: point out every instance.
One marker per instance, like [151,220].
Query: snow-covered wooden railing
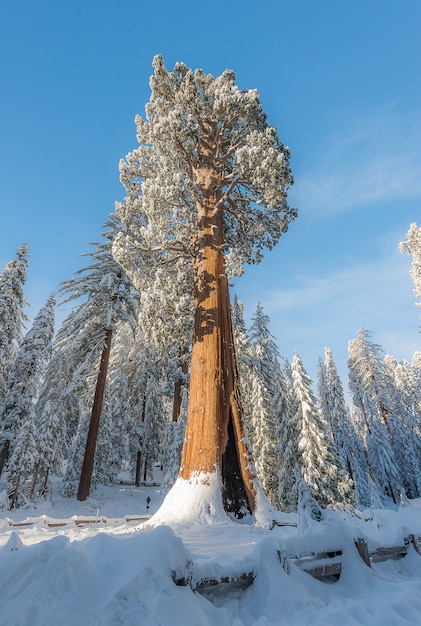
[80,521]
[326,564]
[319,565]
[323,565]
[245,578]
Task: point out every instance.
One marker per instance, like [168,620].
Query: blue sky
[341,82]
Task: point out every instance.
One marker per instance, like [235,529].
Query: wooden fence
[326,565]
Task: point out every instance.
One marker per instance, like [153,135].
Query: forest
[154,365]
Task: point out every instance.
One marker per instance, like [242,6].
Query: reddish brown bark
[215,429]
[88,461]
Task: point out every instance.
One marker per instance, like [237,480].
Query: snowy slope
[115,571]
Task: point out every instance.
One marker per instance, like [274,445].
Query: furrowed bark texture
[215,429]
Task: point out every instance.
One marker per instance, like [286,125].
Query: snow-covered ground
[95,563]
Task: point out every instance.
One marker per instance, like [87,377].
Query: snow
[117,569]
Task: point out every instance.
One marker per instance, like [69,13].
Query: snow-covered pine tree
[22,460]
[108,297]
[208,182]
[370,388]
[166,320]
[335,411]
[264,398]
[290,456]
[407,377]
[361,470]
[12,315]
[50,446]
[243,348]
[24,381]
[401,424]
[412,246]
[325,479]
[147,387]
[244,355]
[120,395]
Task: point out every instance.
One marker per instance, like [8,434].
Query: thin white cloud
[328,310]
[367,159]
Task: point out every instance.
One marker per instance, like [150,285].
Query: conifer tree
[120,392]
[320,470]
[12,315]
[208,182]
[412,246]
[361,470]
[24,379]
[407,378]
[370,388]
[166,319]
[402,433]
[290,457]
[244,356]
[147,388]
[50,446]
[264,396]
[335,411]
[22,460]
[109,297]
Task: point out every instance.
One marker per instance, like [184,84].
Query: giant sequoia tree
[208,182]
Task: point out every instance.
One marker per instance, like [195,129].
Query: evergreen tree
[244,356]
[108,297]
[264,396]
[335,412]
[12,316]
[360,466]
[147,388]
[120,368]
[22,460]
[320,471]
[370,388]
[50,446]
[24,379]
[403,438]
[166,319]
[290,458]
[208,182]
[412,246]
[408,384]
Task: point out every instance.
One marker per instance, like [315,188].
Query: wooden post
[362,548]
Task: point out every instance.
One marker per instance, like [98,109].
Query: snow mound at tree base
[199,500]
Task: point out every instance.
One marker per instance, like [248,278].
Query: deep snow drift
[115,570]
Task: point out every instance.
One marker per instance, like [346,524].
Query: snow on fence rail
[325,565]
[80,521]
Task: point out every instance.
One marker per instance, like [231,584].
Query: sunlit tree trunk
[214,438]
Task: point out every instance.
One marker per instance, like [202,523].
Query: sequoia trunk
[214,440]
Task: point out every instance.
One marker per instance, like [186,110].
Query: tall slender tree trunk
[88,461]
[138,469]
[139,452]
[178,386]
[34,481]
[214,440]
[4,454]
